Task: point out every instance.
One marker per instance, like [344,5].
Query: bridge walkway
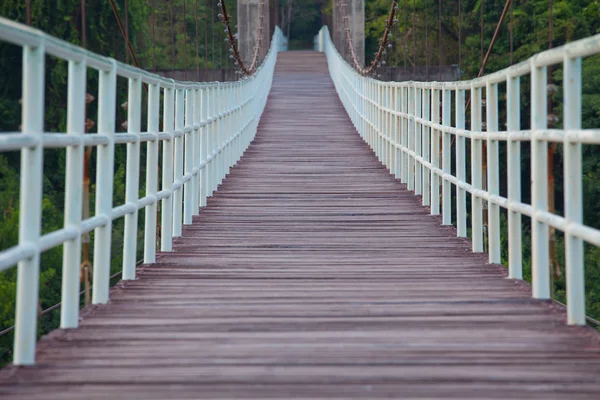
[313,273]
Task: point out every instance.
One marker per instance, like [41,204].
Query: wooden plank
[313,273]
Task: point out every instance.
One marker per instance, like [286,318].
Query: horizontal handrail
[206,127]
[410,127]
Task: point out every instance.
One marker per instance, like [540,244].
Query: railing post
[104,184]
[178,161]
[446,158]
[461,167]
[197,158]
[493,173]
[204,146]
[69,314]
[540,257]
[435,153]
[28,270]
[513,117]
[132,178]
[574,251]
[166,236]
[418,140]
[151,174]
[379,137]
[411,137]
[398,131]
[405,133]
[476,165]
[189,146]
[425,148]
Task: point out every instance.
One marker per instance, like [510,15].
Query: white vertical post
[178,162]
[435,153]
[166,223]
[28,270]
[446,158]
[404,91]
[69,315]
[513,117]
[411,137]
[493,173]
[425,148]
[461,167]
[476,179]
[398,130]
[104,183]
[132,178]
[418,140]
[197,158]
[151,174]
[574,252]
[189,143]
[540,257]
[204,147]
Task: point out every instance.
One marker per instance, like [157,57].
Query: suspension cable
[377,62]
[233,41]
[113,5]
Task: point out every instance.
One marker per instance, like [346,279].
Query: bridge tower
[355,9]
[249,23]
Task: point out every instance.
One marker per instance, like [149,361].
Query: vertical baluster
[69,315]
[189,145]
[574,251]
[204,146]
[132,178]
[476,180]
[178,161]
[418,140]
[197,158]
[104,183]
[398,130]
[405,135]
[515,250]
[493,173]
[151,174]
[411,137]
[461,167]
[540,258]
[166,229]
[446,158]
[28,270]
[435,153]
[425,148]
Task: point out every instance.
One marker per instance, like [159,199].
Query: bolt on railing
[406,122]
[206,129]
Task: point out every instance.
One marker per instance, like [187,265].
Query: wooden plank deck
[314,274]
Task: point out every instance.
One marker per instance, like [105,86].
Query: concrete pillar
[356,21]
[249,17]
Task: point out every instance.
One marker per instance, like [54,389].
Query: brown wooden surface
[314,274]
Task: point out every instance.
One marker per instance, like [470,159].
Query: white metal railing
[206,127]
[405,123]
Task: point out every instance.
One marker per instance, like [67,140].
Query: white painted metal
[30,222]
[132,178]
[493,173]
[151,174]
[69,317]
[360,96]
[540,251]
[513,123]
[216,121]
[573,193]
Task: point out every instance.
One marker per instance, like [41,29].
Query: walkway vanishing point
[312,273]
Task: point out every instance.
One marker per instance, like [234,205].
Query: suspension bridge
[306,240]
